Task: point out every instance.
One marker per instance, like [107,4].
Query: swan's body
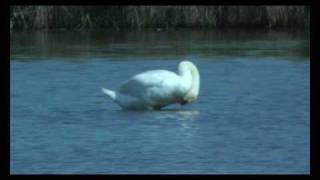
[158,88]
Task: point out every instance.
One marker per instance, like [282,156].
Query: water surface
[252,115]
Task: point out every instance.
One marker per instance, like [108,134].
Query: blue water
[252,115]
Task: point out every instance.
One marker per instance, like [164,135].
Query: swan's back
[156,86]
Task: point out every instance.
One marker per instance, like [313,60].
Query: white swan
[158,88]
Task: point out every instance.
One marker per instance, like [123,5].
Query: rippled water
[252,115]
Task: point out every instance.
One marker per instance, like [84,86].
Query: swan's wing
[157,86]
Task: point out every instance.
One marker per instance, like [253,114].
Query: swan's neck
[190,75]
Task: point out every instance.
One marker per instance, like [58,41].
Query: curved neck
[190,74]
[185,74]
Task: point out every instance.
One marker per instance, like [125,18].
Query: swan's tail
[109,93]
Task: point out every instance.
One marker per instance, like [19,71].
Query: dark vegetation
[141,17]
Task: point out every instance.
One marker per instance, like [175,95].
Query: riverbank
[159,17]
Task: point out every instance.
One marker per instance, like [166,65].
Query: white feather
[158,88]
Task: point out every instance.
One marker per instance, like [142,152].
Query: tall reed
[140,17]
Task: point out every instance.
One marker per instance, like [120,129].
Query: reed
[141,17]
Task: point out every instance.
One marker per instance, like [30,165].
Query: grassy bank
[139,17]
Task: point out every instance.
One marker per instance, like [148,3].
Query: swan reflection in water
[177,114]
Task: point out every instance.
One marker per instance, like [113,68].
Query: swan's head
[189,67]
